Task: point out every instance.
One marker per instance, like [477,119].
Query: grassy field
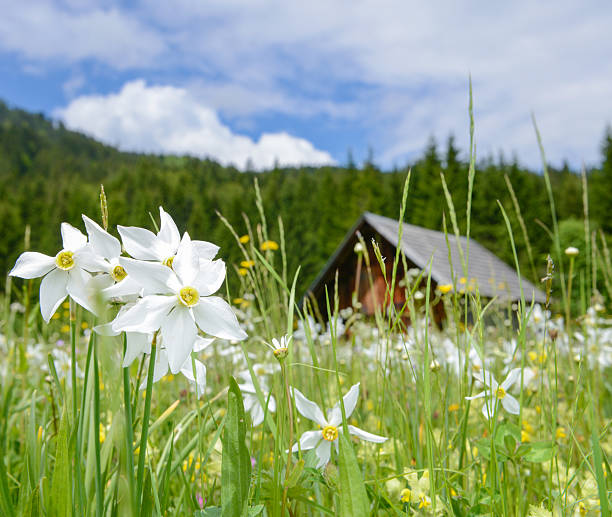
[502,411]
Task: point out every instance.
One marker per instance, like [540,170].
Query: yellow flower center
[64,260]
[168,262]
[281,353]
[424,501]
[330,433]
[118,273]
[405,495]
[500,393]
[189,296]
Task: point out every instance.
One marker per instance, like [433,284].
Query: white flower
[161,369]
[180,304]
[64,275]
[572,251]
[138,343]
[143,244]
[62,363]
[495,392]
[322,439]
[251,401]
[280,347]
[104,258]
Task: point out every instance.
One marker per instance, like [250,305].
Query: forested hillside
[49,174]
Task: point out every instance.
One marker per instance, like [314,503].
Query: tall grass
[81,435]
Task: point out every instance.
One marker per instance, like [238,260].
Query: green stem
[79,438]
[129,431]
[145,420]
[99,492]
[73,357]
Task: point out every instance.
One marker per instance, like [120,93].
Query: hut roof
[491,275]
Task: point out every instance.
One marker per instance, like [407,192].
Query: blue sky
[301,82]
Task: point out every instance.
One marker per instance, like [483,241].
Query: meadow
[130,387]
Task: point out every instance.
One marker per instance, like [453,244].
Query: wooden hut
[486,273]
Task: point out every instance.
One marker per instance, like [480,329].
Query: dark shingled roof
[492,276]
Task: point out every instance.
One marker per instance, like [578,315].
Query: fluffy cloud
[165,119]
[44,31]
[395,70]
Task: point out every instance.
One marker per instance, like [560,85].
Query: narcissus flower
[143,244]
[105,252]
[322,439]
[66,274]
[180,303]
[497,392]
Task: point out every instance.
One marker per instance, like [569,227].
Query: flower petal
[513,376]
[210,276]
[87,259]
[200,378]
[201,343]
[168,232]
[147,315]
[155,278]
[364,435]
[309,440]
[137,344]
[102,242]
[72,238]
[215,317]
[178,332]
[257,414]
[511,405]
[488,409]
[323,452]
[128,286]
[334,416]
[485,377]
[479,396]
[308,408]
[186,263]
[52,292]
[160,369]
[78,289]
[205,250]
[106,329]
[142,244]
[32,264]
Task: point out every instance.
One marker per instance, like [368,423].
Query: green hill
[49,174]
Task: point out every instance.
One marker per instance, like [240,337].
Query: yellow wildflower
[445,288]
[405,495]
[560,433]
[244,239]
[247,263]
[269,245]
[242,271]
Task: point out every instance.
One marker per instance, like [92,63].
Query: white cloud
[165,119]
[409,62]
[42,30]
[395,70]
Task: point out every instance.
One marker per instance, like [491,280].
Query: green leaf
[540,452]
[255,510]
[353,498]
[61,504]
[295,474]
[235,459]
[213,511]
